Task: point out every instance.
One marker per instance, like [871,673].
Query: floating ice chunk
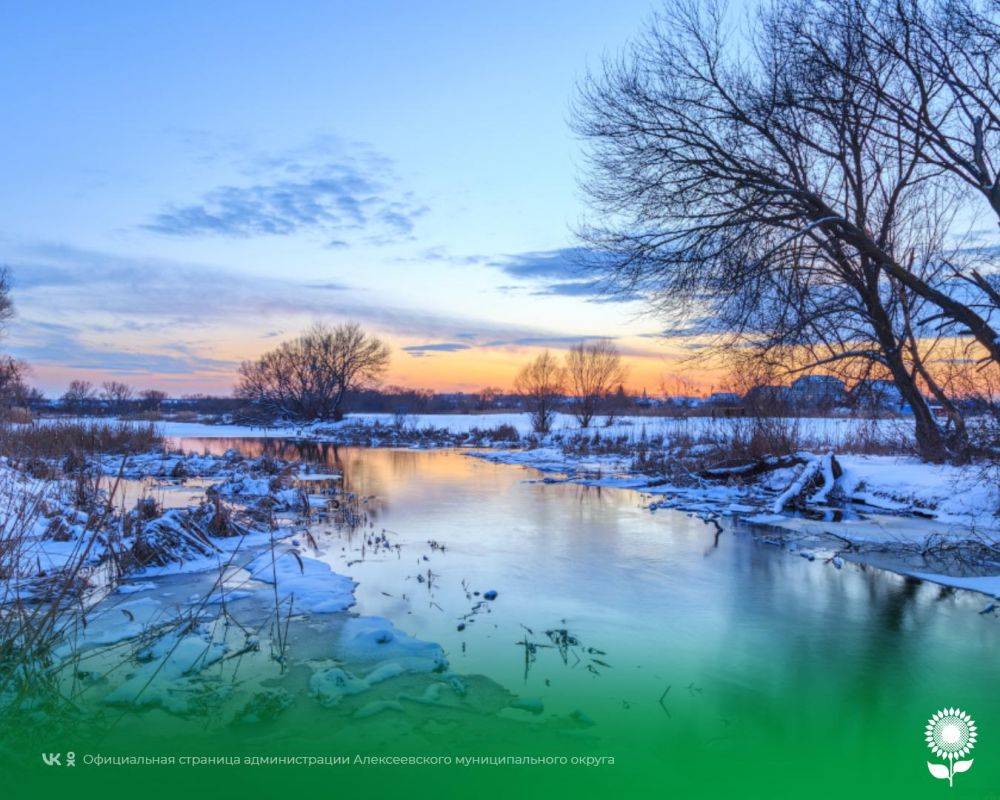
[116,623]
[375,639]
[164,679]
[309,583]
[131,588]
[533,705]
[332,685]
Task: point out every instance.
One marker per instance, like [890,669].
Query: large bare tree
[594,369]
[309,377]
[756,196]
[943,85]
[931,69]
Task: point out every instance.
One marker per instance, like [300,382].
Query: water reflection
[735,635]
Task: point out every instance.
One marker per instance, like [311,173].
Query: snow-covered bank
[234,619]
[701,466]
[631,452]
[960,499]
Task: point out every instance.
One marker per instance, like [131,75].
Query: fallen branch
[751,468]
[822,471]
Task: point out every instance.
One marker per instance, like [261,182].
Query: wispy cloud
[694,327]
[567,263]
[338,195]
[45,344]
[565,272]
[544,341]
[85,309]
[418,350]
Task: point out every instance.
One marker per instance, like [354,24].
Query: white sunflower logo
[951,734]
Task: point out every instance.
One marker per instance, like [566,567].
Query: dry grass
[871,439]
[752,438]
[17,416]
[37,605]
[61,440]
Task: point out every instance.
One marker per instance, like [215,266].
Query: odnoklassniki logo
[950,734]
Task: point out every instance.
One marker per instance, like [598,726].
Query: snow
[830,429]
[307,583]
[986,584]
[959,495]
[116,622]
[132,588]
[173,660]
[373,640]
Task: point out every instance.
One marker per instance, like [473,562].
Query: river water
[677,637]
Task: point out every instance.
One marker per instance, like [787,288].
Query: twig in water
[664,705]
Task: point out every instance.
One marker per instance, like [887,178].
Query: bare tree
[14,391]
[117,395]
[78,396]
[309,377]
[486,398]
[152,399]
[593,370]
[942,96]
[930,70]
[541,384]
[754,195]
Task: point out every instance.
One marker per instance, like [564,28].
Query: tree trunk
[931,443]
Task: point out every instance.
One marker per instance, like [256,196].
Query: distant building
[817,391]
[723,399]
[682,401]
[879,395]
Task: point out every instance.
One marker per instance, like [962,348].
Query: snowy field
[815,431]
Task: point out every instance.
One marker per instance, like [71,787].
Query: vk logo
[52,759]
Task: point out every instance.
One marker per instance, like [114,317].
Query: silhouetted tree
[152,399]
[541,384]
[117,395]
[78,396]
[753,192]
[593,370]
[308,377]
[14,392]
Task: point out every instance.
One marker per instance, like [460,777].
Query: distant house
[879,395]
[724,404]
[723,399]
[682,401]
[817,391]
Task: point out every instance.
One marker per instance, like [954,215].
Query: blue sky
[184,184]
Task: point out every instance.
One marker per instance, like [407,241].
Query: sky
[185,185]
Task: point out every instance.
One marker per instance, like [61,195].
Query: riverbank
[882,506]
[202,595]
[690,463]
[936,521]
